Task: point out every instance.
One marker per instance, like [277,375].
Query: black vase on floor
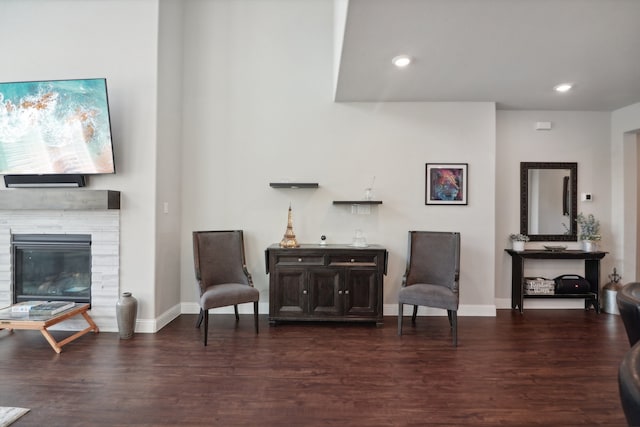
[126,313]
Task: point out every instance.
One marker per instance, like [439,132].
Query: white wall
[581,137]
[258,85]
[258,108]
[168,169]
[625,126]
[116,39]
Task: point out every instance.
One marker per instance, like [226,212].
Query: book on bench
[42,308]
[50,308]
[25,306]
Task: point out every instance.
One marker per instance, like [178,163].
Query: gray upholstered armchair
[222,274]
[432,275]
[628,300]
[629,385]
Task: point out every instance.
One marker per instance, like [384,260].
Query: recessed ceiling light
[401,61]
[563,87]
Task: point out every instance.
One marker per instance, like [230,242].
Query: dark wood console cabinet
[326,283]
[591,273]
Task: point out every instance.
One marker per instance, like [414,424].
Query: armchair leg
[200,317]
[235,310]
[415,314]
[454,327]
[206,326]
[400,308]
[449,316]
[255,314]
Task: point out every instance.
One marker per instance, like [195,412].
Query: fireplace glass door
[51,267]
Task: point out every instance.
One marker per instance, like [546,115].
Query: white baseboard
[542,304]
[165,318]
[388,310]
[151,326]
[194,308]
[502,303]
[465,310]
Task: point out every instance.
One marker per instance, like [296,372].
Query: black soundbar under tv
[63,180]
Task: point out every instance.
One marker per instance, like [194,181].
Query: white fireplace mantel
[58,199]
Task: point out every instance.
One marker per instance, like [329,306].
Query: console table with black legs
[591,273]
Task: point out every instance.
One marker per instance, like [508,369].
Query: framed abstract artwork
[446,184]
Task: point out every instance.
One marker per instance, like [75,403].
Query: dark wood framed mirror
[548,200]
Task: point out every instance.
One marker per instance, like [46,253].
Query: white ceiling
[511,52]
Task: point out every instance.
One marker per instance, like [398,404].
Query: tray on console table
[326,283]
[591,273]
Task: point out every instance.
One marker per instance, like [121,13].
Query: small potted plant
[589,231]
[518,241]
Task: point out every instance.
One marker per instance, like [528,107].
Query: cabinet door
[361,292]
[291,296]
[325,293]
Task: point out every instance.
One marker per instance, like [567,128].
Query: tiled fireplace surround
[104,227]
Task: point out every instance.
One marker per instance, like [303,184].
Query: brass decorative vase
[126,313]
[289,239]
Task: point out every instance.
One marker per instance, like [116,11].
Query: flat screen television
[54,131]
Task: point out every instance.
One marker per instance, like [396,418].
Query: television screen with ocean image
[55,127]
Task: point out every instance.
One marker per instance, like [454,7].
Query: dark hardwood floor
[546,367]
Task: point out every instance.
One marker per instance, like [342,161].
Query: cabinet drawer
[359,259]
[299,260]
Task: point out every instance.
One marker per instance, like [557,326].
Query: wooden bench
[9,320]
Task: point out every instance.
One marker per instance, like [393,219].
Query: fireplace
[95,213]
[51,267]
